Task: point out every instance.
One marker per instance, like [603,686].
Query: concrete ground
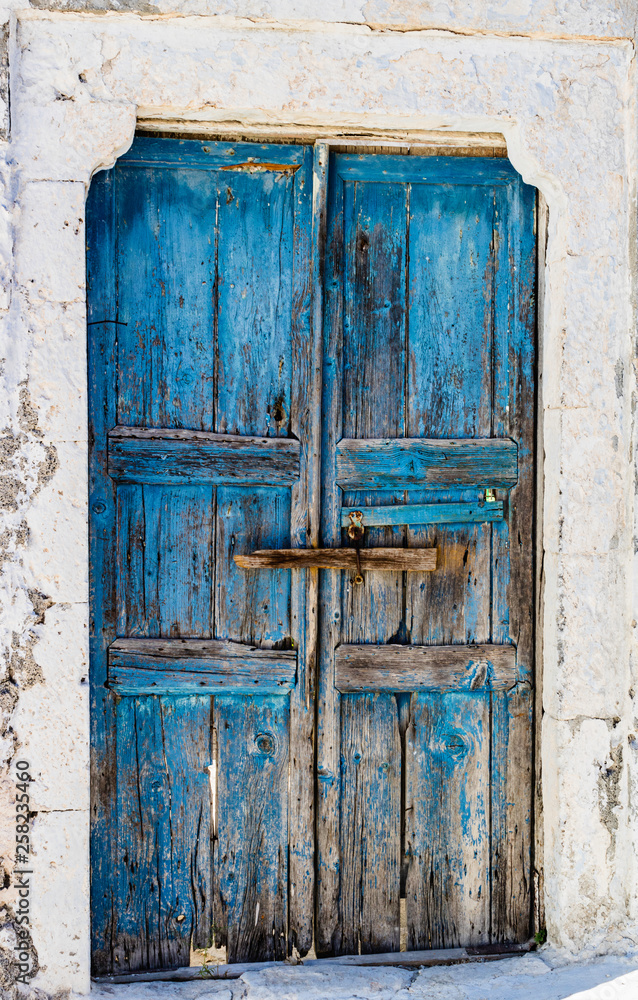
[530,977]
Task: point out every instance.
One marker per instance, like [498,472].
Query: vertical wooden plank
[163,871]
[251,851]
[513,562]
[166,343]
[375,230]
[328,924]
[259,222]
[447,824]
[511,814]
[450,395]
[370,806]
[137,606]
[101,305]
[305,419]
[367,345]
[255,259]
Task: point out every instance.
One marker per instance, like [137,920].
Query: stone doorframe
[79,83]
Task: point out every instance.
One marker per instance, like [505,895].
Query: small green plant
[541,936]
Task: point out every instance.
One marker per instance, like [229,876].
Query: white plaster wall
[567,110]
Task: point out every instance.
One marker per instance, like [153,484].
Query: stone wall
[558,80]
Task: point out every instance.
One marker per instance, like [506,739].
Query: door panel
[286,757]
[428,335]
[198,295]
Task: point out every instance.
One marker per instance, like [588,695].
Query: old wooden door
[221,720]
[424,707]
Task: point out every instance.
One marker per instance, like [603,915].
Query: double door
[285,343]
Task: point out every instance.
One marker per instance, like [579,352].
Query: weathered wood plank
[370,823]
[447,820]
[371,559]
[427,170]
[373,360]
[327,927]
[426,513]
[251,851]
[195,679]
[513,564]
[161,455]
[180,666]
[101,236]
[419,668]
[407,462]
[148,652]
[511,814]
[305,423]
[177,154]
[447,743]
[163,869]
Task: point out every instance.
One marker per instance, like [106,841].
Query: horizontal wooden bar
[202,155]
[391,168]
[360,668]
[198,666]
[400,463]
[154,455]
[405,959]
[414,560]
[426,513]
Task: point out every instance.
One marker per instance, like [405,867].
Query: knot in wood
[266,744]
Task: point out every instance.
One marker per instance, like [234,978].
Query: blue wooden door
[424,712]
[221,723]
[198,299]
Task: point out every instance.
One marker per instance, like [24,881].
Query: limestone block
[593,483]
[595,336]
[583,819]
[52,717]
[585,647]
[60,900]
[607,18]
[50,241]
[57,555]
[57,368]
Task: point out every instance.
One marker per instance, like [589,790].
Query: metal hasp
[356,531]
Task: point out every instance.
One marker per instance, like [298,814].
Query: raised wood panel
[183,457]
[251,846]
[255,246]
[403,463]
[370,824]
[447,836]
[163,873]
[424,668]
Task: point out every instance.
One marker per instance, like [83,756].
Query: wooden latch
[413,560]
